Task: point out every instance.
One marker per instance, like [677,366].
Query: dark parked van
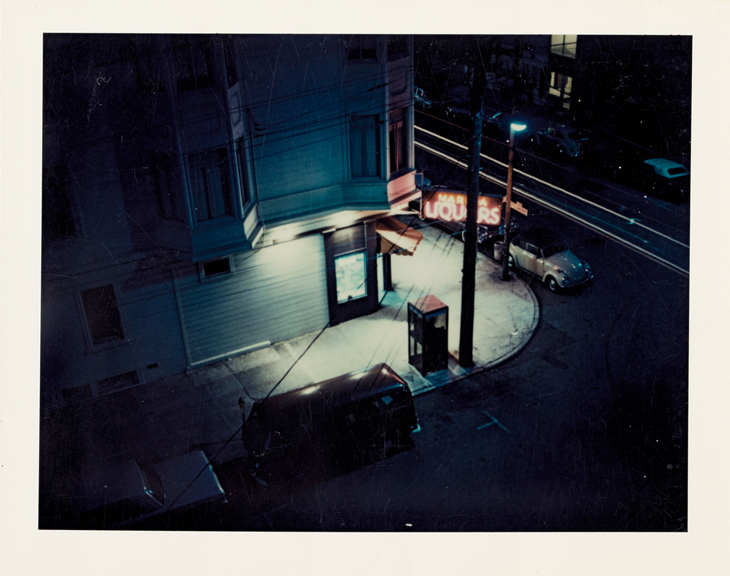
[345,419]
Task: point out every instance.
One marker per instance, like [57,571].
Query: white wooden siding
[273,294]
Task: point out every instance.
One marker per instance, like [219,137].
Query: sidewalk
[199,409]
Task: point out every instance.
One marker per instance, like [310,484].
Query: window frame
[363,286]
[198,160]
[186,78]
[361,48]
[558,43]
[216,276]
[108,343]
[397,147]
[362,141]
[57,193]
[561,87]
[167,164]
[242,166]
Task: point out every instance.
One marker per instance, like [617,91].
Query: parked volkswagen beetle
[544,253]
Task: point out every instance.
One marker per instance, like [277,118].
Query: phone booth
[428,334]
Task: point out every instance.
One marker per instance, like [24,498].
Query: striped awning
[397,237]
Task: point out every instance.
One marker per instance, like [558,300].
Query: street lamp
[508,199]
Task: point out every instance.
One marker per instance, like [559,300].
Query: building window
[561,86]
[215,268]
[361,48]
[102,314]
[193,64]
[242,171]
[168,188]
[364,146]
[351,274]
[210,185]
[398,140]
[397,48]
[58,219]
[230,58]
[564,45]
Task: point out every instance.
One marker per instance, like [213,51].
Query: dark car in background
[498,125]
[545,254]
[559,140]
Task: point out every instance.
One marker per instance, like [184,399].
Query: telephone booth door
[428,330]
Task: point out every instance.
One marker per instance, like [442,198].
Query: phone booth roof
[428,304]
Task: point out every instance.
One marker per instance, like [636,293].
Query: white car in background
[545,254]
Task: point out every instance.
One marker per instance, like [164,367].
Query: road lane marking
[493,421]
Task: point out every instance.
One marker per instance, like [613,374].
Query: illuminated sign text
[451,207]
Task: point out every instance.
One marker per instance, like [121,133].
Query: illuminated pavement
[506,315]
[200,409]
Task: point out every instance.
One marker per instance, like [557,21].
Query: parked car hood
[568,263]
[178,473]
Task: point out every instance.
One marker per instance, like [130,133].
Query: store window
[209,182]
[364,146]
[351,274]
[564,45]
[397,137]
[102,314]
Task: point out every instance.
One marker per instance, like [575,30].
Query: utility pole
[508,199]
[477,86]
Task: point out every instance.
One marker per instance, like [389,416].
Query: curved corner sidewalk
[505,317]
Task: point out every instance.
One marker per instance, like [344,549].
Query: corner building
[207,195]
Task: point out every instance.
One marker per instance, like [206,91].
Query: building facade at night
[205,196]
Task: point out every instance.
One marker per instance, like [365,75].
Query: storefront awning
[397,237]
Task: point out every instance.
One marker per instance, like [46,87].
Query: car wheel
[552,283]
[510,261]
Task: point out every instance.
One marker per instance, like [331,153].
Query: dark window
[365,146]
[193,64]
[217,267]
[168,188]
[398,148]
[58,220]
[397,48]
[231,72]
[210,186]
[102,314]
[242,173]
[361,48]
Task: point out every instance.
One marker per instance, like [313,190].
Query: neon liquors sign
[451,207]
